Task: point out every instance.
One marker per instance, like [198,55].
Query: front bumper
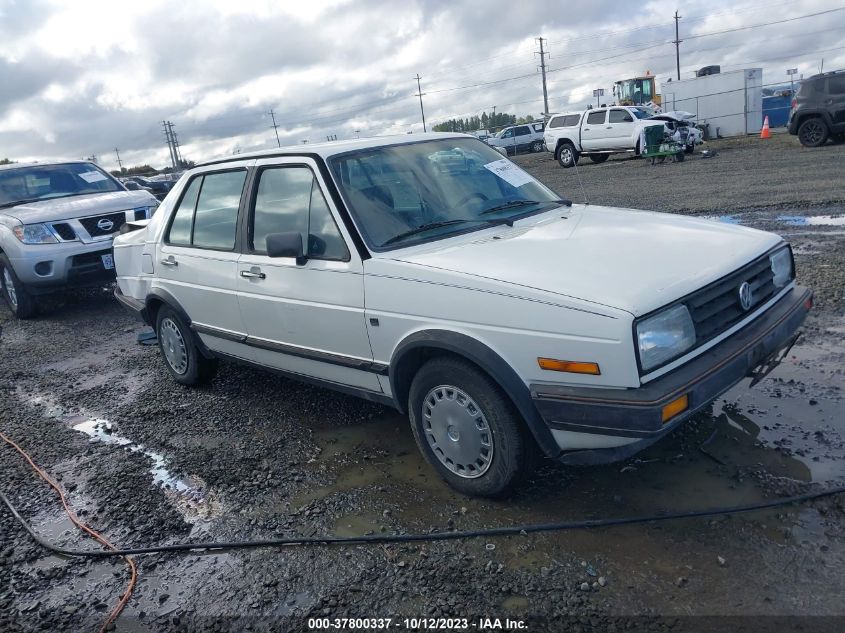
[621,422]
[44,268]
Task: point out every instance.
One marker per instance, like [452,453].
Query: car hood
[79,206]
[674,115]
[636,261]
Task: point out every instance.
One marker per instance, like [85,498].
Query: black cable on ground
[437,536]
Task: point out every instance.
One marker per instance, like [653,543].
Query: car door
[593,130]
[619,128]
[303,315]
[522,138]
[197,257]
[834,100]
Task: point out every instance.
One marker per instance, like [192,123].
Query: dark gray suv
[818,110]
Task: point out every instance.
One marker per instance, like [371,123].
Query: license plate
[108,261]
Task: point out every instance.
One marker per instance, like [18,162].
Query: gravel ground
[255,456]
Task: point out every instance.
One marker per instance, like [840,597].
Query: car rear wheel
[566,155]
[599,158]
[537,146]
[468,430]
[813,132]
[20,302]
[182,357]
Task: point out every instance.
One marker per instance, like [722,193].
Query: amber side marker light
[570,366]
[678,405]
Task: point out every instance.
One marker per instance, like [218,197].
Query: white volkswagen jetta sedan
[433,275]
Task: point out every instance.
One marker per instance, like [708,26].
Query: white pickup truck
[597,133]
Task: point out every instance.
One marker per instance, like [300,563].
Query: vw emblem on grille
[105,224]
[745,295]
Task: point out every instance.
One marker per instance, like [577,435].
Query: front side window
[208,212]
[414,192]
[506,133]
[595,118]
[620,116]
[289,199]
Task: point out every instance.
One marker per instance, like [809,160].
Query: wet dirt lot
[146,461]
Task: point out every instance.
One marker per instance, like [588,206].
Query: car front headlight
[664,336]
[781,262]
[34,234]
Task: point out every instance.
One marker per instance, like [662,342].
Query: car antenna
[581,184]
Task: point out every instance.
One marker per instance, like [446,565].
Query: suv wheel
[468,430]
[537,146]
[813,132]
[599,158]
[181,356]
[566,155]
[20,302]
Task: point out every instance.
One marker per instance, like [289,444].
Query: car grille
[716,308]
[65,231]
[96,229]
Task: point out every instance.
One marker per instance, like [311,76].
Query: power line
[756,26]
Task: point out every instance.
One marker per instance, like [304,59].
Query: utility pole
[119,164]
[169,140]
[420,95]
[175,140]
[543,72]
[275,127]
[677,41]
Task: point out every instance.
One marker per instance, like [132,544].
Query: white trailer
[731,103]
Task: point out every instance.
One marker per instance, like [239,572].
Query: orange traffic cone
[765,133]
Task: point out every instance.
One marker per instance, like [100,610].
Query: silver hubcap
[565,155]
[10,287]
[457,431]
[173,346]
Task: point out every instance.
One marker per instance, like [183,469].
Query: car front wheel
[567,156]
[182,357]
[468,430]
[20,302]
[813,132]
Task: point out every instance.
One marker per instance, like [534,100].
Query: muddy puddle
[782,221]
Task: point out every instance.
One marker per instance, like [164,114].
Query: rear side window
[208,212]
[594,118]
[523,130]
[836,85]
[556,121]
[571,120]
[289,199]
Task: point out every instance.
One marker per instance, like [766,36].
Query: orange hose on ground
[133,576]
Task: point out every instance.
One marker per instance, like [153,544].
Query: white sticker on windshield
[509,172]
[92,176]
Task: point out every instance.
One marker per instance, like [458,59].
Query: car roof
[42,163]
[333,148]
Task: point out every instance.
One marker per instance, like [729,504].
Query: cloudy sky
[83,77]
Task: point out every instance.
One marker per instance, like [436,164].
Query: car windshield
[414,192]
[42,182]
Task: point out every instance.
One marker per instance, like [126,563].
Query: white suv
[437,277]
[519,138]
[57,220]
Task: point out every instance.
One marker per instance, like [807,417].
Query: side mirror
[286,245]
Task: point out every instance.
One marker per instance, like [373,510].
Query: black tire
[567,156]
[537,146]
[20,301]
[512,450]
[689,149]
[176,341]
[813,132]
[679,157]
[598,158]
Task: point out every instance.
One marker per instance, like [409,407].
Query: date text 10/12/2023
[417,624]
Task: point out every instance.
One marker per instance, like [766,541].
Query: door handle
[609,127]
[253,273]
[170,261]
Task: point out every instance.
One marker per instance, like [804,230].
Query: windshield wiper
[435,225]
[15,203]
[512,204]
